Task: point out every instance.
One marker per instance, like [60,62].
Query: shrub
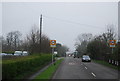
[17,67]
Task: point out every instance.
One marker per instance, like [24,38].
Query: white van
[18,53]
[25,53]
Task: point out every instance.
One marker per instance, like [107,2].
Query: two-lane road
[73,68]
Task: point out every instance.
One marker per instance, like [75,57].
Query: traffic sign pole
[52,45]
[52,54]
[112,50]
[112,44]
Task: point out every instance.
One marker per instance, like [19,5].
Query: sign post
[52,54]
[52,45]
[112,44]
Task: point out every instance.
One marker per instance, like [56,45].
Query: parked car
[25,53]
[18,53]
[86,58]
[3,54]
[9,54]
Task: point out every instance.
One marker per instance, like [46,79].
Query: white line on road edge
[85,67]
[93,74]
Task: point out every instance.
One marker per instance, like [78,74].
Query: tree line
[13,41]
[98,46]
[61,50]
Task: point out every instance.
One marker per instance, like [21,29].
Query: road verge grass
[48,73]
[106,64]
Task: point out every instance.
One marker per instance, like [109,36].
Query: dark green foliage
[16,67]
[106,64]
[8,52]
[100,50]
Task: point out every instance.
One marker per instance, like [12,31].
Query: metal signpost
[112,44]
[52,45]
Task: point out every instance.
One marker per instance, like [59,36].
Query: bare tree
[82,41]
[13,40]
[10,40]
[61,49]
[33,40]
[84,37]
[3,45]
[99,47]
[17,39]
[110,34]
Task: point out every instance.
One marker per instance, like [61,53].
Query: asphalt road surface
[73,68]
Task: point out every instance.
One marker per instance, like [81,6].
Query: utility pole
[40,31]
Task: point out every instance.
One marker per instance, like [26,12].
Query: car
[69,55]
[73,55]
[3,54]
[9,54]
[18,53]
[24,53]
[86,58]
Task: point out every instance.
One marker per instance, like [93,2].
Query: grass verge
[106,64]
[48,73]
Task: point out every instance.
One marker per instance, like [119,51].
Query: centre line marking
[93,74]
[85,67]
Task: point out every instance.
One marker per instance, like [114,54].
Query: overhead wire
[72,22]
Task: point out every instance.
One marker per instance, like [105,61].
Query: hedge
[17,67]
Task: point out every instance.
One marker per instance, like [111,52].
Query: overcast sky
[61,21]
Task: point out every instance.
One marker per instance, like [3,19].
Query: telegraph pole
[40,31]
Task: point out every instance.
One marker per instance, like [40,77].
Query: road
[73,68]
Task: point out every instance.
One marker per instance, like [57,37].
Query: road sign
[53,43]
[112,46]
[112,43]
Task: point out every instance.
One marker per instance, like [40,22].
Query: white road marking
[85,67]
[71,63]
[93,74]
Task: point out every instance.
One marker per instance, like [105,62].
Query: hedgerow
[17,67]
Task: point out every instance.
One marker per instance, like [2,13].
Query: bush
[8,52]
[17,67]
